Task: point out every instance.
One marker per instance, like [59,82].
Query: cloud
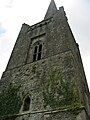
[86,61]
[78,18]
[2,30]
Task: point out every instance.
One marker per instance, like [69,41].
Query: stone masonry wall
[34,79]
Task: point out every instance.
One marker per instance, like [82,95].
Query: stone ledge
[45,112]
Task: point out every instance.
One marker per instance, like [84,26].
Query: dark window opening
[39,56]
[37,52]
[40,48]
[26,104]
[34,57]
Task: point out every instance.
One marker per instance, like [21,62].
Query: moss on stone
[10,101]
[59,92]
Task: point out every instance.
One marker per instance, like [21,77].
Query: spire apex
[51,10]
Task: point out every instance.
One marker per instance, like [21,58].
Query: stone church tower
[44,78]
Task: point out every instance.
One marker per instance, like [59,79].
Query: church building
[44,78]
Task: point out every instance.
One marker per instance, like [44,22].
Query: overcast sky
[13,13]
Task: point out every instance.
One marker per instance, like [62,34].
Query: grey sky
[2,30]
[14,13]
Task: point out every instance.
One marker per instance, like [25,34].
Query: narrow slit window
[26,105]
[40,48]
[39,52]
[35,54]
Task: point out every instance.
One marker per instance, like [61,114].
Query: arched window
[26,105]
[37,52]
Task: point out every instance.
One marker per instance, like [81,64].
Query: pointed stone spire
[51,10]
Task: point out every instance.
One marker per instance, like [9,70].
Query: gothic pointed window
[37,52]
[26,105]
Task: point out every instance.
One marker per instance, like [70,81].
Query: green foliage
[10,101]
[60,93]
[7,118]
